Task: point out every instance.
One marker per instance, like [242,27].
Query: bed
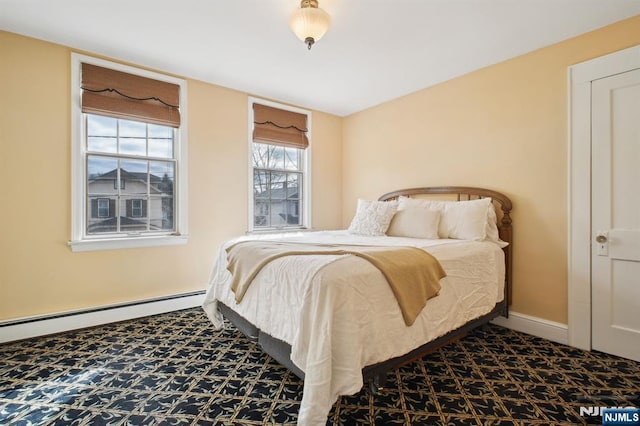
[332,320]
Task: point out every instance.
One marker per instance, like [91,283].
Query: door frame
[580,77]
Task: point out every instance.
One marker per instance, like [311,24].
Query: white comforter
[339,314]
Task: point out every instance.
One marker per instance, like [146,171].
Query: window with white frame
[279,158]
[138,208]
[129,157]
[101,208]
[140,157]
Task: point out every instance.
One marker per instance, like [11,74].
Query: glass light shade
[309,22]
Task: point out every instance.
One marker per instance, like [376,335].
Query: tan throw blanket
[413,274]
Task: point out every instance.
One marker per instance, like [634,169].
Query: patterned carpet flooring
[174,369]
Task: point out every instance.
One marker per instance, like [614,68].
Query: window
[137,208]
[277,182]
[279,158]
[140,154]
[129,157]
[102,208]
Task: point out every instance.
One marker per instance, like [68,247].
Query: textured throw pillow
[372,217]
[415,222]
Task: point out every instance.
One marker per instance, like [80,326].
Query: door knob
[600,238]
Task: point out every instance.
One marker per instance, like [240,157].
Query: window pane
[261,214]
[155,213]
[167,207]
[133,129]
[101,215]
[162,148]
[260,155]
[162,177]
[276,157]
[132,220]
[133,174]
[260,184]
[293,212]
[160,141]
[292,158]
[101,173]
[276,185]
[98,125]
[102,144]
[133,137]
[133,146]
[278,215]
[293,187]
[161,203]
[101,199]
[157,131]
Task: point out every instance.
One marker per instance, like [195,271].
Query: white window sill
[124,243]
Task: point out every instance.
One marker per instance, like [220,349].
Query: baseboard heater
[24,328]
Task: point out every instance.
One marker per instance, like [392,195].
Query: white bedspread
[339,314]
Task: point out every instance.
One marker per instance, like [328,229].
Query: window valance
[279,127]
[132,97]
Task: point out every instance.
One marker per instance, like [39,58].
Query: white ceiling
[374,51]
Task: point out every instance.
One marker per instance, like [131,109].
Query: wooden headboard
[460,193]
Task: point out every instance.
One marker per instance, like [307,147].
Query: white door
[615,215]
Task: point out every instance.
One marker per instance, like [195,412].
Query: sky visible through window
[107,135]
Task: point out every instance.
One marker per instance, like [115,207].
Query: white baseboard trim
[25,328]
[539,327]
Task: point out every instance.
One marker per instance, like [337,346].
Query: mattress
[339,314]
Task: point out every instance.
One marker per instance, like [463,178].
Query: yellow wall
[38,272]
[503,127]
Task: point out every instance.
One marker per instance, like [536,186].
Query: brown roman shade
[279,127]
[132,97]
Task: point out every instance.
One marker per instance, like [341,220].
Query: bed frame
[374,374]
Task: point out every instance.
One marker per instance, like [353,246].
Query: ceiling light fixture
[309,23]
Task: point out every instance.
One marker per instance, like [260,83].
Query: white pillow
[372,217]
[464,220]
[492,228]
[415,222]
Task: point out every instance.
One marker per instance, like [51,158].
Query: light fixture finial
[309,41]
